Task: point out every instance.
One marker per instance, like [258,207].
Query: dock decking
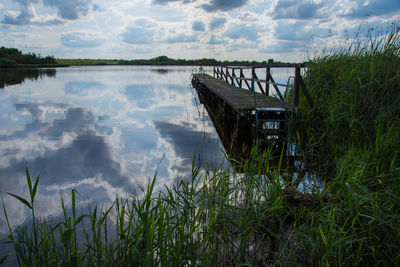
[241,100]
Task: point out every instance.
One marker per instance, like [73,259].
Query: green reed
[351,137]
[218,217]
[349,142]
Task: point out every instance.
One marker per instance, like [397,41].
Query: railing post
[233,70]
[233,75]
[252,78]
[296,86]
[241,75]
[253,71]
[268,78]
[226,74]
[214,71]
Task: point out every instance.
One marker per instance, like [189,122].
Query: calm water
[102,130]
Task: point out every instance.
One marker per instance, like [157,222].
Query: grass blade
[24,201]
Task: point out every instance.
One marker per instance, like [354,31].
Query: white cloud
[81,40]
[149,28]
[248,32]
[217,22]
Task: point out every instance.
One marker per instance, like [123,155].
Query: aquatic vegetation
[349,139]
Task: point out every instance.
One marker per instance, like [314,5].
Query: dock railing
[236,77]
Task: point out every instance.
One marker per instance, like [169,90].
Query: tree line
[163,60]
[13,57]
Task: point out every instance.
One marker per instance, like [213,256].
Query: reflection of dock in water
[236,129]
[238,143]
[248,99]
[256,114]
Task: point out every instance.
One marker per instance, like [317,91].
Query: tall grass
[352,136]
[350,139]
[217,218]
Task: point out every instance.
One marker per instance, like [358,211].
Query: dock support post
[296,86]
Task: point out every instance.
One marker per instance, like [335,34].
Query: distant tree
[7,63]
[18,57]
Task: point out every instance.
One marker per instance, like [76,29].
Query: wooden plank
[239,99]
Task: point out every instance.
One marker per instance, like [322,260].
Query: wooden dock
[239,99]
[265,115]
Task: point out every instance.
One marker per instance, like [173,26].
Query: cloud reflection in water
[102,131]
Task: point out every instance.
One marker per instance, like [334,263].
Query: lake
[102,130]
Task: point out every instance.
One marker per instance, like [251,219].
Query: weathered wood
[231,76]
[258,82]
[296,86]
[273,65]
[267,78]
[245,80]
[241,100]
[241,75]
[276,87]
[222,74]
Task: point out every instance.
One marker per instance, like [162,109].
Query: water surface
[102,130]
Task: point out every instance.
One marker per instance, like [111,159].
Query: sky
[286,30]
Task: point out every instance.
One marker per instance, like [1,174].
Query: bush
[7,63]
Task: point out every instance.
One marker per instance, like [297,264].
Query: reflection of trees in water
[16,76]
[166,70]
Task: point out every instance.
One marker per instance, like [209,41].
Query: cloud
[217,23]
[211,6]
[198,26]
[81,40]
[293,9]
[87,154]
[141,50]
[145,22]
[24,17]
[138,35]
[187,140]
[27,2]
[181,38]
[66,9]
[297,31]
[165,2]
[239,46]
[134,92]
[283,47]
[216,41]
[237,31]
[27,16]
[83,88]
[223,5]
[362,9]
[142,31]
[69,9]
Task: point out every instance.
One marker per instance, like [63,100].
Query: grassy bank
[352,138]
[350,141]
